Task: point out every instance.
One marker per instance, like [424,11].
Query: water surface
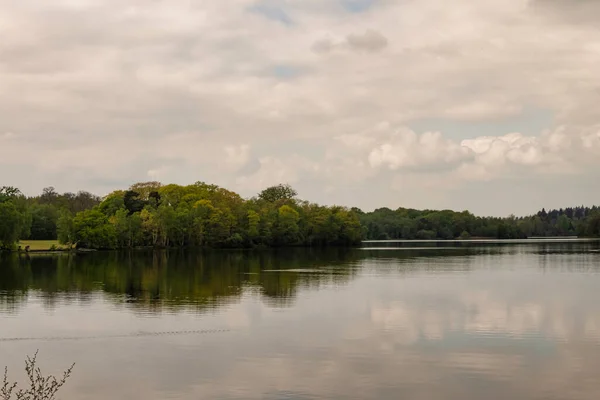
[389,321]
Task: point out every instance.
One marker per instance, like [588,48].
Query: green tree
[8,193]
[202,211]
[287,231]
[65,228]
[151,225]
[92,229]
[592,225]
[350,230]
[277,193]
[145,189]
[44,218]
[128,228]
[113,202]
[253,225]
[167,220]
[11,224]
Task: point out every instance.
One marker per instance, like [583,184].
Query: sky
[490,106]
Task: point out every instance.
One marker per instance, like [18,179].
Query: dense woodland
[404,223]
[150,214]
[153,215]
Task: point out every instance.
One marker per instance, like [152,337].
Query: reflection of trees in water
[184,280]
[171,281]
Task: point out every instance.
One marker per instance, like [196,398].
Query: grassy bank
[42,245]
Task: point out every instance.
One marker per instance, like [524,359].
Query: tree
[49,195]
[11,224]
[132,201]
[83,201]
[8,193]
[287,225]
[253,225]
[128,228]
[278,193]
[350,231]
[592,226]
[144,189]
[92,229]
[64,228]
[44,218]
[202,211]
[151,224]
[113,203]
[183,227]
[563,225]
[173,195]
[208,215]
[167,222]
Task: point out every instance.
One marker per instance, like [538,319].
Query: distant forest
[150,214]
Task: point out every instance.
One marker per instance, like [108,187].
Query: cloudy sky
[484,105]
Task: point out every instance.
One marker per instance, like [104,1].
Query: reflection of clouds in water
[491,314]
[483,315]
[490,346]
[427,331]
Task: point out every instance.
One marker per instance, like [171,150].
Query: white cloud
[8,135]
[405,148]
[274,170]
[112,91]
[237,156]
[369,41]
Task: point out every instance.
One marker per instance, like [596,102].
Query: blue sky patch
[283,71]
[272,11]
[358,6]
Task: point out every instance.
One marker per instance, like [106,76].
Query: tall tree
[277,193]
[11,224]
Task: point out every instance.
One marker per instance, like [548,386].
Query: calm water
[431,321]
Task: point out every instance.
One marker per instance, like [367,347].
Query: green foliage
[11,224]
[591,227]
[253,225]
[277,193]
[150,214]
[113,203]
[92,229]
[65,228]
[44,218]
[133,202]
[287,231]
[408,224]
[8,193]
[464,235]
[146,190]
[425,234]
[207,215]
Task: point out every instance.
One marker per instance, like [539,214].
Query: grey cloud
[323,46]
[250,168]
[95,93]
[370,41]
[571,11]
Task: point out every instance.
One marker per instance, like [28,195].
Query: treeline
[36,218]
[150,214]
[409,224]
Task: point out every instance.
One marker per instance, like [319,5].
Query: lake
[393,320]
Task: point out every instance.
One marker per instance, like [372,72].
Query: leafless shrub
[40,387]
